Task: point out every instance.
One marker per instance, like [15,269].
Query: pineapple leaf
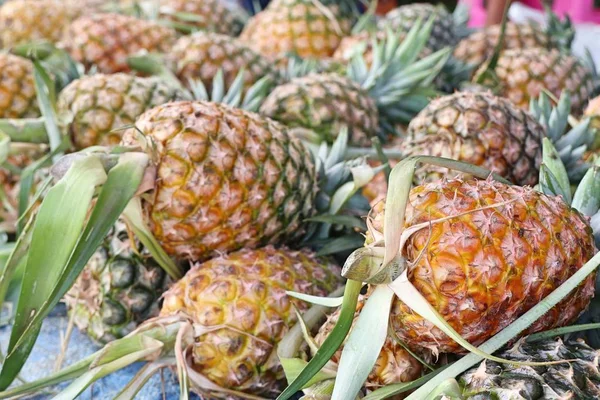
[62,213]
[586,199]
[46,96]
[321,301]
[449,389]
[293,367]
[331,343]
[341,244]
[398,388]
[141,378]
[553,174]
[363,345]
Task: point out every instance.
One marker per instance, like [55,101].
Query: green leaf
[398,388]
[46,97]
[551,160]
[449,390]
[294,366]
[343,243]
[344,220]
[331,343]
[586,199]
[321,301]
[57,228]
[364,344]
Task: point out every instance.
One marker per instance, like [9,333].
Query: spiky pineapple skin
[484,269]
[524,73]
[106,40]
[239,305]
[17,88]
[403,18]
[394,364]
[26,21]
[96,105]
[295,26]
[119,288]
[210,15]
[226,179]
[324,103]
[577,379]
[480,45]
[481,129]
[201,55]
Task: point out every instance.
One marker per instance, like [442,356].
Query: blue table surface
[47,349]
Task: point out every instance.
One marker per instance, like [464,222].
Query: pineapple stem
[491,66]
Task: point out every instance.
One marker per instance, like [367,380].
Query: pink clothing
[578,10]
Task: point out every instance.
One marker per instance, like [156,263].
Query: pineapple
[480,45]
[481,129]
[238,304]
[303,27]
[370,102]
[394,364]
[17,88]
[24,21]
[403,18]
[577,379]
[226,179]
[522,74]
[95,105]
[200,55]
[119,288]
[104,41]
[483,269]
[204,15]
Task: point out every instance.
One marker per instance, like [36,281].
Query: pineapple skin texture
[98,104]
[226,179]
[484,269]
[480,45]
[106,40]
[200,56]
[577,379]
[212,15]
[23,21]
[295,26]
[119,288]
[481,129]
[524,73]
[17,88]
[324,103]
[403,18]
[394,364]
[240,300]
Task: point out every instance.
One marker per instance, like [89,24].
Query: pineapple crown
[571,144]
[554,180]
[397,80]
[560,33]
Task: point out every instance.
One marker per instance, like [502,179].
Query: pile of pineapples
[213,192]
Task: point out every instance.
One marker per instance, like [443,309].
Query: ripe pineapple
[303,27]
[119,288]
[104,41]
[226,179]
[370,102]
[324,103]
[481,129]
[403,18]
[394,364]
[17,89]
[203,15]
[483,269]
[577,379]
[24,21]
[95,105]
[240,311]
[200,56]
[480,45]
[522,74]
